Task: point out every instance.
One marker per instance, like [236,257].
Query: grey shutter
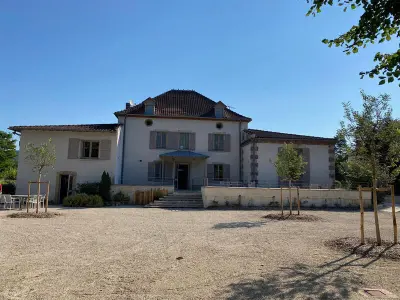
[210,172]
[227,142]
[169,166]
[105,149]
[153,140]
[172,140]
[210,142]
[306,175]
[192,141]
[73,148]
[150,171]
[227,172]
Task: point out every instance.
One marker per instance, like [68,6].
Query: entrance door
[182,172]
[65,186]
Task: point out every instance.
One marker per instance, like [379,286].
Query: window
[184,141]
[218,172]
[90,149]
[158,170]
[219,112]
[149,109]
[161,140]
[218,142]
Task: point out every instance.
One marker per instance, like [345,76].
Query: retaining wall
[271,197]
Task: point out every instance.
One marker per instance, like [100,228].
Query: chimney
[129,104]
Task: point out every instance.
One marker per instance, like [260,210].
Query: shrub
[9,188]
[89,188]
[105,187]
[120,197]
[83,200]
[157,194]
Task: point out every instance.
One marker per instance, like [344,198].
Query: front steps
[179,200]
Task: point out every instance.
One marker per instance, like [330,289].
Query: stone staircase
[179,200]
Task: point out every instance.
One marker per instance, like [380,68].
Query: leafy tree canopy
[380,22]
[8,152]
[289,163]
[41,157]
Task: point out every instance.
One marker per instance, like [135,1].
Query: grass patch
[369,249]
[293,217]
[32,215]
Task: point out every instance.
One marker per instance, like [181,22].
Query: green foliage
[9,174]
[289,164]
[378,23]
[120,197]
[41,157]
[105,187]
[83,200]
[90,188]
[8,153]
[157,194]
[373,140]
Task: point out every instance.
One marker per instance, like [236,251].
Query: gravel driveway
[131,253]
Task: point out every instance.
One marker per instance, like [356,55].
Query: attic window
[149,109]
[219,112]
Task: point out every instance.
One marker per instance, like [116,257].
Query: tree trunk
[290,196]
[282,201]
[298,201]
[38,193]
[375,202]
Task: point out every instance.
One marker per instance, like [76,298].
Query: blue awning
[183,153]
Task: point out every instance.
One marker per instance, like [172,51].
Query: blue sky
[72,62]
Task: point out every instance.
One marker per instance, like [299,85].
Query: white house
[179,138]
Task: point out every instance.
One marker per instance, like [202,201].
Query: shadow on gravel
[238,225]
[299,281]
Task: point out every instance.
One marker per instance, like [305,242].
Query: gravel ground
[131,253]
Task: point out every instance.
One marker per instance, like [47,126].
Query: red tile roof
[263,134]
[80,128]
[183,103]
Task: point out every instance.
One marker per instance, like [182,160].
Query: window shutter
[192,141]
[210,142]
[227,143]
[153,140]
[210,172]
[172,140]
[169,166]
[73,148]
[105,149]
[150,171]
[227,172]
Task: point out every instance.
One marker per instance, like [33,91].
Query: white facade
[84,170]
[319,164]
[138,153]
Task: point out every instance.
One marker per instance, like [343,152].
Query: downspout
[123,152]
[240,152]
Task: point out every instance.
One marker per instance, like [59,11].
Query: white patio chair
[8,201]
[2,201]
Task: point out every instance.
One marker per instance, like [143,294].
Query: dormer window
[149,109]
[219,110]
[149,106]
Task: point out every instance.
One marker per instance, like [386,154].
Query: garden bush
[105,187]
[120,197]
[89,188]
[83,200]
[9,188]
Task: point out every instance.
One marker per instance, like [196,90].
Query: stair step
[176,205]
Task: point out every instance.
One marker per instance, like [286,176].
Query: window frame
[91,142]
[158,164]
[163,140]
[149,109]
[218,172]
[218,145]
[187,135]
